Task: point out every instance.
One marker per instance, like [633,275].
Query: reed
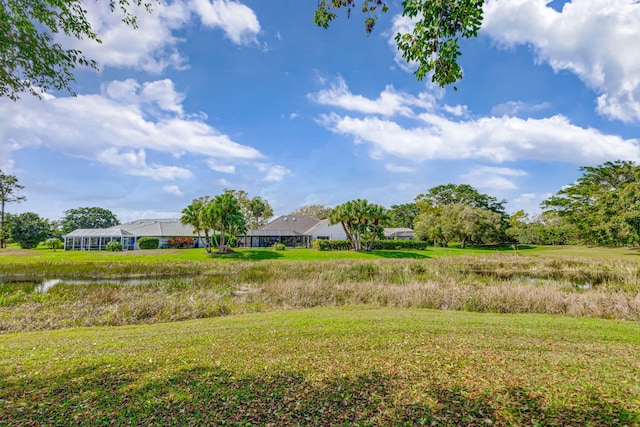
[500,283]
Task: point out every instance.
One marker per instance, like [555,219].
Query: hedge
[386,245]
[148,243]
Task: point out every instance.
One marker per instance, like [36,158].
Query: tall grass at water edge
[499,283]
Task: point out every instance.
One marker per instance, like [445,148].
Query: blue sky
[251,95]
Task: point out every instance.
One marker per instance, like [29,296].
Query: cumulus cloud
[493,178]
[497,139]
[590,38]
[119,128]
[173,189]
[274,173]
[153,46]
[389,103]
[514,108]
[215,166]
[392,167]
[238,21]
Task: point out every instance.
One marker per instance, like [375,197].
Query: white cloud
[389,103]
[153,46]
[513,108]
[119,128]
[135,163]
[274,173]
[495,139]
[593,39]
[214,165]
[493,178]
[173,189]
[401,24]
[238,21]
[392,167]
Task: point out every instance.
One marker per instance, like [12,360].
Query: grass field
[300,337]
[328,366]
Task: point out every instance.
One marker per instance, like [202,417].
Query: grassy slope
[350,366]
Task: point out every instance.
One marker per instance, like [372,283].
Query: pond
[43,286]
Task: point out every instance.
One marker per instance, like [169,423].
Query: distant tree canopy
[402,216]
[463,194]
[9,187]
[603,206]
[316,211]
[28,229]
[256,210]
[87,218]
[459,213]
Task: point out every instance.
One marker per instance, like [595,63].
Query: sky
[250,95]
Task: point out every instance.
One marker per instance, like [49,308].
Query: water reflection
[46,285]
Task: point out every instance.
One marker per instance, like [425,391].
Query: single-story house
[300,231]
[290,230]
[128,234]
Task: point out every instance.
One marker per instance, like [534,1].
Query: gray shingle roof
[162,227]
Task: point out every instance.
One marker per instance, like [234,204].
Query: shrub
[148,242]
[232,242]
[181,242]
[387,245]
[279,246]
[390,245]
[114,246]
[54,243]
[331,245]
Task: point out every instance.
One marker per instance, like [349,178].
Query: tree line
[601,208]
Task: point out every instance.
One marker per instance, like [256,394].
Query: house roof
[273,233]
[390,233]
[159,227]
[99,232]
[298,223]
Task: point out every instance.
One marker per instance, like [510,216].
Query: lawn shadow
[208,395]
[398,254]
[249,255]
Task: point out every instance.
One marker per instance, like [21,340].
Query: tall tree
[603,204]
[433,41]
[31,60]
[9,186]
[256,211]
[316,211]
[260,210]
[402,216]
[461,223]
[360,219]
[463,194]
[87,218]
[28,229]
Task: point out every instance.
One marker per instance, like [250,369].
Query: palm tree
[223,213]
[359,218]
[193,215]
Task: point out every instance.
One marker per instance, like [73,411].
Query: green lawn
[328,366]
[14,255]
